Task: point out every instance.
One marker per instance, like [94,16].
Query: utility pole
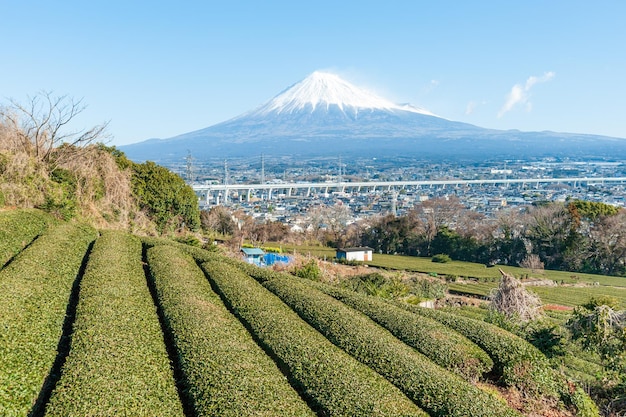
[262,169]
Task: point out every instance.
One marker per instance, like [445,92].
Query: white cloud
[430,86]
[472,105]
[520,94]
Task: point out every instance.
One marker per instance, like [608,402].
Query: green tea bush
[334,382]
[434,389]
[441,258]
[18,228]
[516,362]
[439,343]
[226,372]
[35,289]
[118,364]
[199,254]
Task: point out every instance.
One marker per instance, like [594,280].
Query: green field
[562,295]
[458,268]
[482,272]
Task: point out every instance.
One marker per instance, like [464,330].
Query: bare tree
[436,213]
[40,126]
[532,262]
[331,219]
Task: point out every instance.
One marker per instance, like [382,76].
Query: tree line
[579,236]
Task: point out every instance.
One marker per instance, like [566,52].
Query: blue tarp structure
[272,258]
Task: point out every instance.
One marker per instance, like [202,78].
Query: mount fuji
[324,115]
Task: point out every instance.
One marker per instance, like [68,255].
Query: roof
[252,251]
[362,249]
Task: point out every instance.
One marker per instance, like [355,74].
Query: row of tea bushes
[435,389]
[18,228]
[118,363]
[332,381]
[226,372]
[439,343]
[516,362]
[34,293]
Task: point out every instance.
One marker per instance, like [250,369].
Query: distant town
[487,187]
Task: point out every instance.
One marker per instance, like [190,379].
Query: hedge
[334,383]
[35,289]
[199,254]
[226,372]
[118,363]
[18,228]
[439,343]
[516,362]
[434,389]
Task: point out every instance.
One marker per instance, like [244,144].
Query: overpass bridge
[222,193]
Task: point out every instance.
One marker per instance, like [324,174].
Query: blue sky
[160,68]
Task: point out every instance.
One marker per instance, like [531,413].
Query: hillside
[279,345]
[100,186]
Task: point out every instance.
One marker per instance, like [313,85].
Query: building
[253,255]
[355,254]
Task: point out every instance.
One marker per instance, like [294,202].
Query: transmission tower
[340,177]
[189,168]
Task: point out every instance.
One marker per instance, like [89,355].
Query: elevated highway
[222,193]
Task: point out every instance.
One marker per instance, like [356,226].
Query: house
[253,255]
[355,254]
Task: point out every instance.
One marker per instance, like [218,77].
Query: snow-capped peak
[323,89]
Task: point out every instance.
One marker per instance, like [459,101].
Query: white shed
[355,254]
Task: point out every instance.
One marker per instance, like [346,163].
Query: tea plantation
[102,323]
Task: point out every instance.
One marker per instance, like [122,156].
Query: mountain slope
[325,115]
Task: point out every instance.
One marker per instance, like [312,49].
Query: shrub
[115,318]
[377,284]
[239,379]
[35,290]
[165,197]
[585,405]
[443,346]
[190,240]
[439,392]
[334,382]
[428,288]
[17,229]
[309,270]
[441,258]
